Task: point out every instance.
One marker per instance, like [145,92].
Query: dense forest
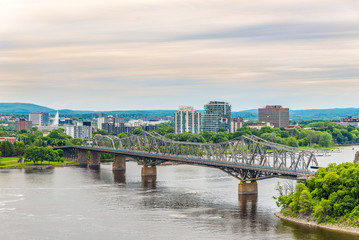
[331,195]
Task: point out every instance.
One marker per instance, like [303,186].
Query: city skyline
[161,54]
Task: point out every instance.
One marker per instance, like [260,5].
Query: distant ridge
[26,108]
[22,108]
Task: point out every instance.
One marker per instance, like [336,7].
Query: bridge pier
[95,161]
[149,173]
[82,157]
[119,163]
[245,188]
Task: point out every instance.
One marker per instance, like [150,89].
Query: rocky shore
[328,226]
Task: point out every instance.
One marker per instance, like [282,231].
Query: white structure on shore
[55,121]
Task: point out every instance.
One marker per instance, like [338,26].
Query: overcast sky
[159,54]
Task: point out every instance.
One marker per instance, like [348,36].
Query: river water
[185,202]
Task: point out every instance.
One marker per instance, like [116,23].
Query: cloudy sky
[158,54]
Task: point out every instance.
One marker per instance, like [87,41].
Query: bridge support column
[245,188]
[94,160]
[119,163]
[149,173]
[82,157]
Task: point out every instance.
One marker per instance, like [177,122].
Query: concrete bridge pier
[149,173]
[82,157]
[94,162]
[245,188]
[119,163]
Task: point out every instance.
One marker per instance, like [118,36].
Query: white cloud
[133,54]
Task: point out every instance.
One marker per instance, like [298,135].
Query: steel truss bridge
[247,158]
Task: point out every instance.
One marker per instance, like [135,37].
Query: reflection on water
[149,181]
[119,176]
[182,202]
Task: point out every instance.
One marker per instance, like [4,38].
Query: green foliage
[323,135]
[138,131]
[40,154]
[7,149]
[102,132]
[331,195]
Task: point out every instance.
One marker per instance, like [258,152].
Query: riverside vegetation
[323,135]
[330,196]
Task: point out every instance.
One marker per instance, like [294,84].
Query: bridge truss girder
[253,151]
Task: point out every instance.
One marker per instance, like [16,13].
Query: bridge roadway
[150,160]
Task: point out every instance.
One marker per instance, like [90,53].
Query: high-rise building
[23,124]
[217,115]
[276,115]
[117,121]
[236,123]
[40,118]
[79,131]
[187,120]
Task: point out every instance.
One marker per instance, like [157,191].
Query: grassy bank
[6,162]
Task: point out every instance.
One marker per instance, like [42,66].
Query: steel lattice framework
[247,158]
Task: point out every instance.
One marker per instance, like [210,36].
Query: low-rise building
[258,126]
[349,121]
[8,139]
[297,126]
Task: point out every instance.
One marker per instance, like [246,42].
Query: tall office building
[217,115]
[276,115]
[39,118]
[187,120]
[23,124]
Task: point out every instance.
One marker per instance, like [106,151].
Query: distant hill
[252,114]
[22,108]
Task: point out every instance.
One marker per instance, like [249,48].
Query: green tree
[305,202]
[138,131]
[293,142]
[325,140]
[7,149]
[102,132]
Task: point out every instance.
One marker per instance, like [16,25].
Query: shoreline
[41,166]
[336,228]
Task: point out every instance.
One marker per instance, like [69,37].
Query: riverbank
[327,226]
[12,163]
[40,166]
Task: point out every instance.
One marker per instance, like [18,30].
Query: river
[185,202]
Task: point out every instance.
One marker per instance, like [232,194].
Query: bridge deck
[283,172]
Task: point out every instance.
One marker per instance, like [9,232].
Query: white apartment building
[79,131]
[187,120]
